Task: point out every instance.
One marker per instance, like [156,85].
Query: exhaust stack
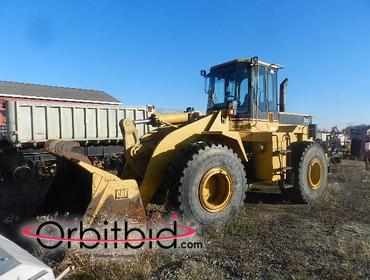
[283,86]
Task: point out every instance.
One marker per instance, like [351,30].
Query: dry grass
[271,239]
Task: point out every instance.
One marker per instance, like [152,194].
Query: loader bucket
[81,188]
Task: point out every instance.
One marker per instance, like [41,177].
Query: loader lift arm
[80,187]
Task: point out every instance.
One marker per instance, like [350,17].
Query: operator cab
[247,86]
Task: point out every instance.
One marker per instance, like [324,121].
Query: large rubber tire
[308,160]
[188,170]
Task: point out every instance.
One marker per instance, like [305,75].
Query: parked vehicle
[16,263]
[31,114]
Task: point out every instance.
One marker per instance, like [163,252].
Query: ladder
[284,172]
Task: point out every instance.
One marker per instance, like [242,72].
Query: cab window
[272,90]
[219,86]
[243,88]
[261,96]
[229,83]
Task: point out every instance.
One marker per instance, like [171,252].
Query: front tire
[208,183]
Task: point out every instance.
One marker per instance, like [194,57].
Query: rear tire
[309,173]
[207,183]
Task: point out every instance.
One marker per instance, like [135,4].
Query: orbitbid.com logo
[164,235]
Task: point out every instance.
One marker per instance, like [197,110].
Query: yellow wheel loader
[201,164]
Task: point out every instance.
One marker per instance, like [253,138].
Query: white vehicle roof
[16,263]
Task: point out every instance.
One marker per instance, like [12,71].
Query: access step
[281,152]
[282,169]
[286,186]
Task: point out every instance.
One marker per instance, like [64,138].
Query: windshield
[228,83]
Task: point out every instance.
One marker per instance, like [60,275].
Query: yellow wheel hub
[215,189]
[315,173]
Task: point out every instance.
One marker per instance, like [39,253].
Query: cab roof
[249,60]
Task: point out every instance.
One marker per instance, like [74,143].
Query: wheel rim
[215,189]
[314,175]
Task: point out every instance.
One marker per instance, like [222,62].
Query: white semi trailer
[32,114]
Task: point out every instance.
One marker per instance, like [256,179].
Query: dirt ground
[270,238]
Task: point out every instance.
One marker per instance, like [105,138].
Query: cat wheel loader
[202,164]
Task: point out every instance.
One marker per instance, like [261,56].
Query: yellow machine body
[147,159]
[261,142]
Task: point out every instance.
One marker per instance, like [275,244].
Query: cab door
[271,94]
[266,112]
[267,106]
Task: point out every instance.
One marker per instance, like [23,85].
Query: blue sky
[150,52]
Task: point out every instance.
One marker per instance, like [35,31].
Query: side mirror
[254,60]
[203,73]
[150,109]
